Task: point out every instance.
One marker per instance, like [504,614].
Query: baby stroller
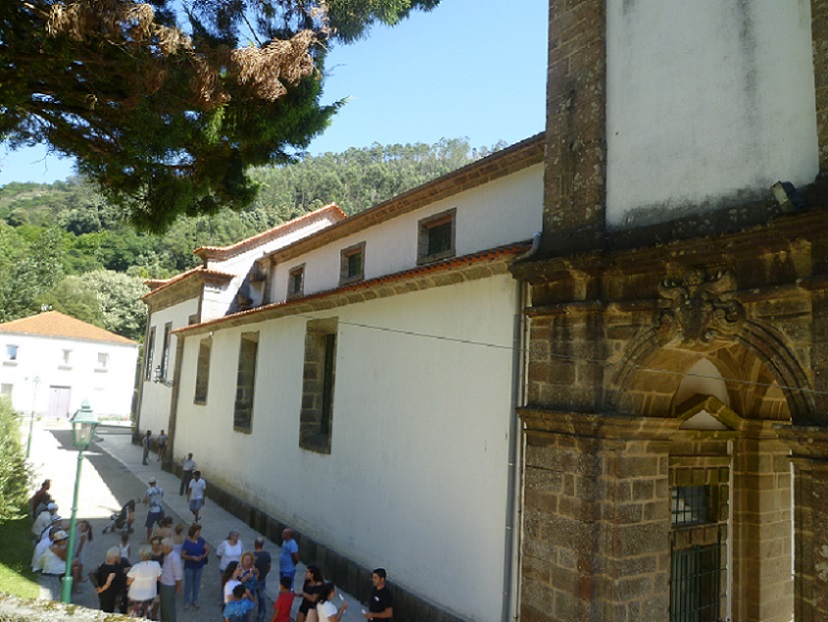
[122,521]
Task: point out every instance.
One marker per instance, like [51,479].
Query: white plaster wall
[508,209]
[218,300]
[708,102]
[417,477]
[155,396]
[109,390]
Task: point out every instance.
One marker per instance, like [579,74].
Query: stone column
[819,34]
[762,583]
[575,173]
[810,460]
[596,525]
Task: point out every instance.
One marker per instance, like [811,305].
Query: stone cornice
[478,265]
[607,426]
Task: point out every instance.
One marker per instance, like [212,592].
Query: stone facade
[638,466]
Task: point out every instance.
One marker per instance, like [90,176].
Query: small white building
[52,362]
[367,395]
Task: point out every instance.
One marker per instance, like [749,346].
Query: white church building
[359,382]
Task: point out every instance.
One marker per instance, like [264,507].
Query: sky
[469,68]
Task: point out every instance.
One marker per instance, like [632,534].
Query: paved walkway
[112,474]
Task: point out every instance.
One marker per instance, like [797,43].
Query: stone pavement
[112,474]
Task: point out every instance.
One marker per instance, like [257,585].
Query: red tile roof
[157,285]
[56,324]
[222,252]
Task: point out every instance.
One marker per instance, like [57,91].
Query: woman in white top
[230,550]
[325,609]
[142,582]
[53,560]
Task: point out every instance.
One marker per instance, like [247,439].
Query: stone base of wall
[345,573]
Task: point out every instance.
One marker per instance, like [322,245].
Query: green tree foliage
[77,297]
[167,104]
[119,297]
[14,474]
[29,268]
[75,252]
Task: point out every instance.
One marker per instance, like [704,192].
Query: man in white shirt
[153,498]
[44,520]
[171,574]
[188,465]
[197,494]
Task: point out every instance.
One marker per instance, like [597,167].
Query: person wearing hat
[153,498]
[52,562]
[44,520]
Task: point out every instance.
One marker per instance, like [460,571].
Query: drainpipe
[512,575]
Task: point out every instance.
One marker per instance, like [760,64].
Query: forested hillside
[63,246]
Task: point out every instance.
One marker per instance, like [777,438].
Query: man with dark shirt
[262,562]
[380,607]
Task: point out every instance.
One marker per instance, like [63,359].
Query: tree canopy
[166,104]
[65,246]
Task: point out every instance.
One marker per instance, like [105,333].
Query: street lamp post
[84,423]
[31,419]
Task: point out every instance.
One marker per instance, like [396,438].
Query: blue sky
[469,68]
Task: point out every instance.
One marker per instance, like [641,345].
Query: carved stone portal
[699,308]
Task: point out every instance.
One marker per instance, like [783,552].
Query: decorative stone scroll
[699,308]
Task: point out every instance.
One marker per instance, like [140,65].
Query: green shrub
[14,473]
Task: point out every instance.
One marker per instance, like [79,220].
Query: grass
[16,576]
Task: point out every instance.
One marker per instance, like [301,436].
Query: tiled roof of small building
[222,252]
[57,324]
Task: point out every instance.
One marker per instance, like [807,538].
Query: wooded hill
[63,246]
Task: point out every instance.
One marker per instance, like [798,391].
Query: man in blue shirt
[289,556]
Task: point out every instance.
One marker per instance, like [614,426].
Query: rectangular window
[103,361]
[6,390]
[165,353]
[352,264]
[316,418]
[149,351]
[11,352]
[67,356]
[436,235]
[202,371]
[296,281]
[246,382]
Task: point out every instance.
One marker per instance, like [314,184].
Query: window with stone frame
[203,371]
[316,419]
[296,282]
[436,237]
[246,382]
[165,353]
[149,351]
[352,264]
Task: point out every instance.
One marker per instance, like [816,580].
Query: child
[124,546]
[236,610]
[281,609]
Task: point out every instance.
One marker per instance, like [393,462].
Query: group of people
[160,442]
[244,583]
[51,555]
[173,561]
